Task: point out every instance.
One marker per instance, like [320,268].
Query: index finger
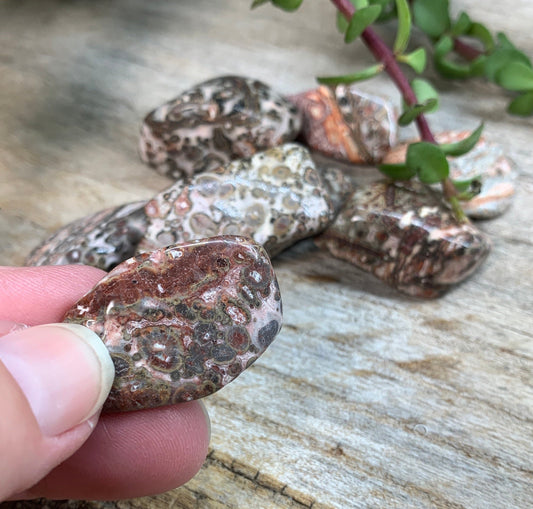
[38,295]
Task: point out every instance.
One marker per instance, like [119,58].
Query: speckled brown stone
[102,240]
[405,235]
[215,122]
[347,124]
[183,321]
[276,197]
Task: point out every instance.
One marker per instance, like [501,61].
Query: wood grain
[367,398]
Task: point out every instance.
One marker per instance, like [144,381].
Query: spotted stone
[404,234]
[102,240]
[487,163]
[346,123]
[276,197]
[217,121]
[338,186]
[183,321]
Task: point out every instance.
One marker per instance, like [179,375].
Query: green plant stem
[382,53]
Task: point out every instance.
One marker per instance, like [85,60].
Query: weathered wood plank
[367,398]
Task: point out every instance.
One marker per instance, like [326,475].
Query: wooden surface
[367,398]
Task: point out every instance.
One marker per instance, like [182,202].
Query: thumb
[54,380]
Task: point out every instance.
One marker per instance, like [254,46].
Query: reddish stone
[347,124]
[183,321]
[407,236]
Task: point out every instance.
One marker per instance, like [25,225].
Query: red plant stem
[383,54]
[465,50]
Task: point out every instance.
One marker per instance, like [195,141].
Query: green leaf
[522,105]
[432,16]
[453,70]
[443,46]
[365,74]
[413,111]
[428,161]
[515,76]
[342,22]
[404,26]
[462,147]
[424,92]
[397,171]
[388,9]
[481,33]
[360,20]
[416,59]
[501,57]
[257,3]
[504,41]
[287,5]
[477,66]
[462,25]
[471,186]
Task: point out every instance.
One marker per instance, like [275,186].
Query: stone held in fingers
[487,163]
[276,197]
[183,321]
[215,122]
[347,124]
[102,240]
[407,236]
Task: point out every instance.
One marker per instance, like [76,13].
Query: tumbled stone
[184,321]
[487,163]
[346,123]
[338,186]
[102,240]
[405,235]
[217,121]
[276,197]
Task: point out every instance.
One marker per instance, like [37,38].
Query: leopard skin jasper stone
[102,240]
[276,197]
[487,162]
[405,235]
[219,120]
[347,124]
[184,321]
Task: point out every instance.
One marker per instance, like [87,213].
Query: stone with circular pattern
[183,321]
[215,122]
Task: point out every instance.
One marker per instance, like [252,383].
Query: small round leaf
[361,20]
[432,16]
[428,161]
[522,105]
[515,76]
[397,171]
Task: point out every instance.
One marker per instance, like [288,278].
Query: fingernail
[207,418]
[64,370]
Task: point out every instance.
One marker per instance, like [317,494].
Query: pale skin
[110,456]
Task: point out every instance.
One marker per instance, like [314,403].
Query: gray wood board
[367,398]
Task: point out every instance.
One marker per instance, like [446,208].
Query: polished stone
[347,124]
[215,122]
[184,321]
[103,239]
[276,197]
[406,235]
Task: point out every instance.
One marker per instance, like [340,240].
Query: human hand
[53,444]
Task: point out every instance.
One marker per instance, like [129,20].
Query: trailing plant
[462,48]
